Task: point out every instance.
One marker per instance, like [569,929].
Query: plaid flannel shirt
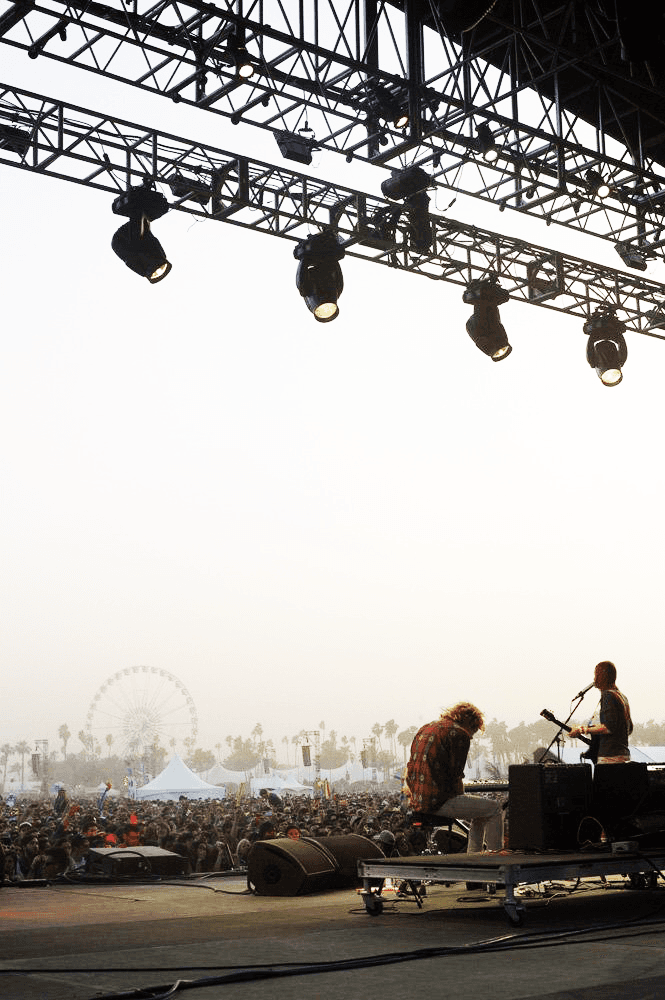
[435,771]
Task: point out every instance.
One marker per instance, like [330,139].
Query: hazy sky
[348,522]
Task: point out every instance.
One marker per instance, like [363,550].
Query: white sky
[348,522]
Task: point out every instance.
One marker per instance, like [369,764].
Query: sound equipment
[135,862]
[629,800]
[546,805]
[285,867]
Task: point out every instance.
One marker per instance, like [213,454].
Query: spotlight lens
[603,190]
[401,121]
[245,71]
[610,377]
[159,272]
[491,155]
[326,311]
[503,352]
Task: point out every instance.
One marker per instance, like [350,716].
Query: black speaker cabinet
[546,803]
[285,867]
[135,862]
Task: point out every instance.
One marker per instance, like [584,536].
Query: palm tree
[109,742]
[390,729]
[65,735]
[405,738]
[22,748]
[6,750]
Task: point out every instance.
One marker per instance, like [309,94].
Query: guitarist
[615,725]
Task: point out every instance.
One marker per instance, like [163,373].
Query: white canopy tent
[175,780]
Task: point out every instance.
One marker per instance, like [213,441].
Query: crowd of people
[51,838]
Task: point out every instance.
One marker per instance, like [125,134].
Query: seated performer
[615,725]
[435,773]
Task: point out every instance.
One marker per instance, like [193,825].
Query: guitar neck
[562,725]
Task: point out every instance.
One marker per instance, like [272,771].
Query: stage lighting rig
[319,278]
[297,146]
[410,186]
[597,185]
[242,61]
[134,243]
[606,348]
[484,327]
[391,105]
[632,256]
[16,140]
[485,143]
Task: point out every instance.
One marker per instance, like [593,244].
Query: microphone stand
[558,736]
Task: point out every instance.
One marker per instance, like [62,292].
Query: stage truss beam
[52,138]
[317,64]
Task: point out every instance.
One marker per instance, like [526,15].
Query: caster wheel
[374,906]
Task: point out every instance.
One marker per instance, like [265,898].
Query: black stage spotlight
[484,327]
[597,185]
[390,106]
[297,146]
[133,242]
[244,66]
[409,185]
[405,183]
[319,279]
[606,348]
[485,143]
[632,256]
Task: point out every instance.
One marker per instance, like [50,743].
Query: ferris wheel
[138,707]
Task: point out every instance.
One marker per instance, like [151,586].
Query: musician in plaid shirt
[435,776]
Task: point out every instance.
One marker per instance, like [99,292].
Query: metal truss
[51,138]
[547,79]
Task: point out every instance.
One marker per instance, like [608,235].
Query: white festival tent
[175,780]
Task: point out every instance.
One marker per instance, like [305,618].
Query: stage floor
[79,942]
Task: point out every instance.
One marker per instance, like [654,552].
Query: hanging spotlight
[244,65]
[297,146]
[485,143]
[597,185]
[15,140]
[606,348]
[484,327]
[319,278]
[632,256]
[409,185]
[389,105]
[134,243]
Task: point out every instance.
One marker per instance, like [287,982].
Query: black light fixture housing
[606,348]
[319,278]
[484,327]
[632,256]
[297,146]
[596,183]
[389,105]
[410,186]
[134,243]
[485,143]
[243,62]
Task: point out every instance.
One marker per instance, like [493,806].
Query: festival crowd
[47,839]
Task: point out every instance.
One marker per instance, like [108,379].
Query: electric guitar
[593,742]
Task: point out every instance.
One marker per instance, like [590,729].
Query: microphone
[580,694]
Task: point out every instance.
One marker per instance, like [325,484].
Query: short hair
[467,715]
[605,674]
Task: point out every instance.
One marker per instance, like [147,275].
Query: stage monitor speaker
[546,804]
[284,867]
[135,862]
[619,790]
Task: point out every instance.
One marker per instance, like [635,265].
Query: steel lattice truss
[319,62]
[61,140]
